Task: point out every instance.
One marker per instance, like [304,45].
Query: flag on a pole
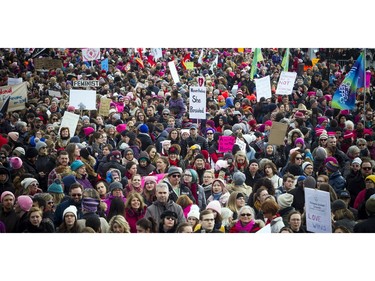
[104,64]
[257,57]
[285,62]
[345,95]
[150,60]
[214,63]
[200,59]
[140,62]
[185,59]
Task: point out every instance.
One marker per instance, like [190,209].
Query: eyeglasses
[209,133]
[248,215]
[76,195]
[298,158]
[176,176]
[361,144]
[3,157]
[323,139]
[169,218]
[367,168]
[51,203]
[34,184]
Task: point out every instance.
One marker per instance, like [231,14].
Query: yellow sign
[189,65]
[104,106]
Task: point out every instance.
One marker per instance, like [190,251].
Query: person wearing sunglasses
[168,222]
[30,186]
[246,222]
[173,181]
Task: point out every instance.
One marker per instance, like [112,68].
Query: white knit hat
[70,209]
[27,181]
[285,200]
[194,212]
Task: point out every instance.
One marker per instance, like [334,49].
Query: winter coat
[365,226]
[337,181]
[132,216]
[156,209]
[178,105]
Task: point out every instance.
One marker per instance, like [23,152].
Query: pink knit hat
[25,202]
[5,193]
[14,136]
[88,131]
[214,205]
[16,163]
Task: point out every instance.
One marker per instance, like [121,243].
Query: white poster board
[197,103]
[69,120]
[90,54]
[234,90]
[86,83]
[174,73]
[83,99]
[318,211]
[156,53]
[265,229]
[14,81]
[56,94]
[263,87]
[286,83]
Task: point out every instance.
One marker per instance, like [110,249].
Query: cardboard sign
[156,53]
[18,96]
[83,99]
[104,107]
[286,83]
[318,211]
[197,103]
[226,143]
[277,133]
[86,83]
[47,63]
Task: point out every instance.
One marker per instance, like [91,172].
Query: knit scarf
[216,196]
[245,228]
[173,162]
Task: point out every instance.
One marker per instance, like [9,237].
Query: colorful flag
[140,62]
[104,64]
[185,59]
[345,95]
[285,62]
[257,57]
[150,60]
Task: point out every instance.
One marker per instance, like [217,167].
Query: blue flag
[104,64]
[345,95]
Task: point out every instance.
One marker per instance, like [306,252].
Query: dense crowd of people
[146,166]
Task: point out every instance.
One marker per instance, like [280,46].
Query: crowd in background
[146,166]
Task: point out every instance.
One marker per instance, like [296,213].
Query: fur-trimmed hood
[290,134]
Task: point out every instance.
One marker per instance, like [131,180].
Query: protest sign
[47,63]
[226,143]
[86,83]
[69,120]
[90,54]
[56,94]
[14,81]
[277,133]
[174,73]
[263,87]
[104,106]
[83,99]
[104,65]
[18,96]
[286,83]
[197,103]
[318,211]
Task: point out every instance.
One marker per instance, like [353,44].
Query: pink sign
[226,143]
[368,78]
